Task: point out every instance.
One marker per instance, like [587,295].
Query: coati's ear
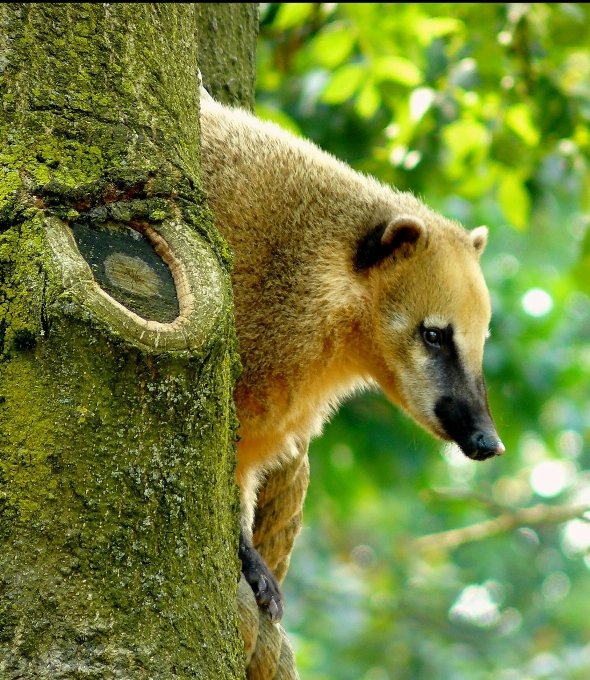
[479,238]
[398,238]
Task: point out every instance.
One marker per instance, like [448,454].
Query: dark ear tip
[394,238]
[404,229]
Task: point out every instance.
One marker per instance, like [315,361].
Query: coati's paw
[265,586]
[266,590]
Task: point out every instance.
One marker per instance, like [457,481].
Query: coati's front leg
[257,573]
[265,586]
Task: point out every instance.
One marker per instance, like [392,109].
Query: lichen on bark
[117,504]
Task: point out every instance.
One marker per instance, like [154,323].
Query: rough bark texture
[118,512]
[226,57]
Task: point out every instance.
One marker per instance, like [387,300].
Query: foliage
[484,111]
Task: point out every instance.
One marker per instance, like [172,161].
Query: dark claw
[273,611]
[265,587]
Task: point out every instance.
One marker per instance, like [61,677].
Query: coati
[339,281]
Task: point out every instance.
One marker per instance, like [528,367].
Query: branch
[467,494]
[539,514]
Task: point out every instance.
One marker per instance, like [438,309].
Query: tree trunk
[118,511]
[227,51]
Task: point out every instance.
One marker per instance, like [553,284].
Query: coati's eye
[433,337]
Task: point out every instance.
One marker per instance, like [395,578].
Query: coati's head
[428,318]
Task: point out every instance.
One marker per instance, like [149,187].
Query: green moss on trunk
[118,511]
[116,500]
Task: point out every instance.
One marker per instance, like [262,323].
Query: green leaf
[398,70]
[515,200]
[464,137]
[331,47]
[435,27]
[478,184]
[344,83]
[292,14]
[368,101]
[519,119]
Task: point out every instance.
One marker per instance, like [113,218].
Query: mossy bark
[226,54]
[118,511]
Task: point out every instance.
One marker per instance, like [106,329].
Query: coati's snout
[461,406]
[470,425]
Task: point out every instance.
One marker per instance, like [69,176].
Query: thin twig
[467,494]
[539,514]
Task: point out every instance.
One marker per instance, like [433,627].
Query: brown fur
[311,327]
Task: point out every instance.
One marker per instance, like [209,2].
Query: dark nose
[484,445]
[470,424]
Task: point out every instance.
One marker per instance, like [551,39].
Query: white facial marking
[435,321]
[461,344]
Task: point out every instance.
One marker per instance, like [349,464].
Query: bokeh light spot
[364,556]
[475,605]
[510,621]
[537,302]
[576,537]
[551,477]
[570,443]
[555,587]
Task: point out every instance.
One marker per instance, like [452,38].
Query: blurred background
[482,110]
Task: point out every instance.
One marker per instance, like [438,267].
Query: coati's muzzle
[468,422]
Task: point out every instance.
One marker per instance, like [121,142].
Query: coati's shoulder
[236,143]
[238,129]
[256,170]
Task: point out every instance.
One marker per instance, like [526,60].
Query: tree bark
[118,510]
[227,55]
